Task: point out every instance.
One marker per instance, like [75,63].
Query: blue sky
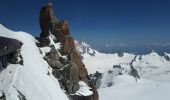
[99,22]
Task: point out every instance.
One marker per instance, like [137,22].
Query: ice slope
[31,79]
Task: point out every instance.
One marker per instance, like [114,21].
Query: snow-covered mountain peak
[84,48]
[153,53]
[49,69]
[82,43]
[61,55]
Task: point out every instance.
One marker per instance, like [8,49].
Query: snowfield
[153,69]
[126,88]
[31,79]
[102,62]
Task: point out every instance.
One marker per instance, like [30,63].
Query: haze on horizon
[101,23]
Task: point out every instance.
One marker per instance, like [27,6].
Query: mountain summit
[67,65]
[45,68]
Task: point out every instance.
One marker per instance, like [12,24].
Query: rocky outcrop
[3,96]
[52,58]
[47,20]
[133,71]
[166,57]
[70,70]
[120,54]
[8,45]
[10,52]
[96,79]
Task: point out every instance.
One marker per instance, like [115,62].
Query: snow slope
[102,62]
[31,79]
[126,88]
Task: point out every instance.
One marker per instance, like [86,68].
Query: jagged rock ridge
[69,70]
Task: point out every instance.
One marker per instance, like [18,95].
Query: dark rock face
[47,20]
[3,97]
[9,51]
[120,54]
[43,42]
[133,71]
[69,71]
[96,79]
[21,96]
[53,59]
[8,45]
[167,57]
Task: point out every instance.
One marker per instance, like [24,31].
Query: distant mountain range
[144,49]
